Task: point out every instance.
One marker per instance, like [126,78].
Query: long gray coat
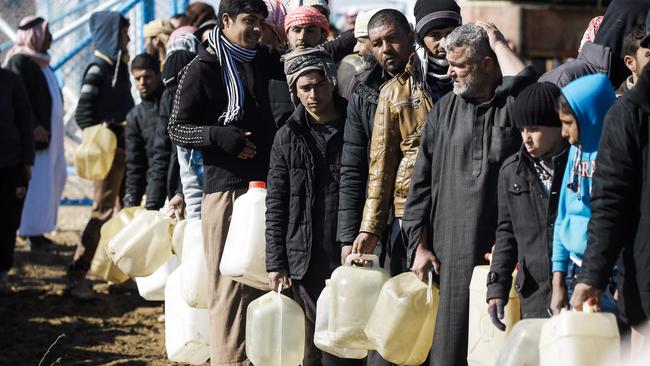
[454,194]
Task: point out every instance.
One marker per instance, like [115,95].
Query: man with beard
[451,209]
[404,102]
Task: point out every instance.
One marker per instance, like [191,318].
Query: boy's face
[541,141]
[570,129]
[315,92]
[146,81]
[244,30]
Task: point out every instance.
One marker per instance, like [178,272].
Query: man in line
[404,102]
[636,57]
[222,107]
[16,160]
[105,98]
[435,19]
[156,34]
[451,209]
[29,59]
[619,211]
[362,104]
[306,157]
[141,125]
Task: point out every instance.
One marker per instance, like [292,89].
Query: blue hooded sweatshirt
[590,97]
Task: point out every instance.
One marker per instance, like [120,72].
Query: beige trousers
[228,300]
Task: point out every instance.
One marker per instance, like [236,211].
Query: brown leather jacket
[399,121]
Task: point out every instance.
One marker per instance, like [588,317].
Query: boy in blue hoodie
[582,109]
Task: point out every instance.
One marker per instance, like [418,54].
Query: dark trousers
[306,293]
[11,208]
[106,201]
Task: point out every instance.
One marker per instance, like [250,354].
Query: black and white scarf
[435,69]
[228,54]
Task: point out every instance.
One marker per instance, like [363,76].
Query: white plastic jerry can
[575,338]
[194,268]
[102,265]
[177,238]
[186,328]
[244,254]
[322,337]
[275,331]
[143,245]
[401,326]
[485,341]
[94,156]
[152,287]
[521,347]
[354,292]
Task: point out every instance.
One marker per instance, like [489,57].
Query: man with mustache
[451,209]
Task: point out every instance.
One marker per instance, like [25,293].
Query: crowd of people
[441,147]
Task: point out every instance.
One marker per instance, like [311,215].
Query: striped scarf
[228,54]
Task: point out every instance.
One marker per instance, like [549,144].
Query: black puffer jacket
[525,233]
[141,125]
[356,149]
[163,176]
[620,203]
[302,198]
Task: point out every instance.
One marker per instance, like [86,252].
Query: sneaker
[122,288]
[81,290]
[5,286]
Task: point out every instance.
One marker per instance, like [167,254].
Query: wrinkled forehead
[458,54]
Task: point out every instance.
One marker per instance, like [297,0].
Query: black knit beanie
[536,106]
[175,62]
[435,14]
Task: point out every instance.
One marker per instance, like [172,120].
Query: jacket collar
[525,160]
[298,119]
[599,57]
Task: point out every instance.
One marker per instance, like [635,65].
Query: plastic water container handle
[430,290]
[366,257]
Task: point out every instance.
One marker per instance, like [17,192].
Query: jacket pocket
[520,280]
[502,141]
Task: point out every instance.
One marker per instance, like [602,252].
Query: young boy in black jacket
[303,185]
[141,123]
[529,184]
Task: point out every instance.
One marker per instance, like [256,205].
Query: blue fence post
[174,7]
[148,14]
[185,4]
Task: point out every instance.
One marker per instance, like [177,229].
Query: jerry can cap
[256,184]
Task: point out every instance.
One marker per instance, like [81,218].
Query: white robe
[48,173]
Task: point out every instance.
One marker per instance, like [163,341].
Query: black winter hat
[536,106]
[646,40]
[175,62]
[432,14]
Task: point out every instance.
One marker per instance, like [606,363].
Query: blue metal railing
[75,9]
[88,40]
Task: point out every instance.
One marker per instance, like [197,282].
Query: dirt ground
[116,329]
